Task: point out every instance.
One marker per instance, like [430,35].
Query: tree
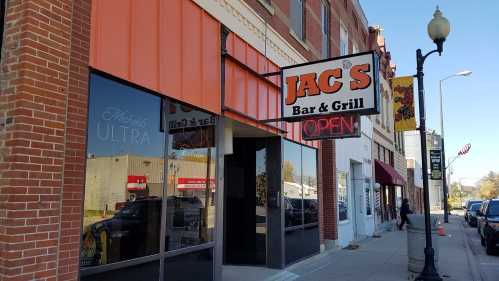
[456,196]
[288,170]
[489,186]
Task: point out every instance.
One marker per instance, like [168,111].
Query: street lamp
[438,29]
[444,179]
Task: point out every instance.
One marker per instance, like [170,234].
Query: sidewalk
[377,259]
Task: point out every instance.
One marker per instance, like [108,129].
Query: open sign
[338,85]
[331,127]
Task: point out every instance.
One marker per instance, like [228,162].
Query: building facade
[414,190]
[389,172]
[413,151]
[138,155]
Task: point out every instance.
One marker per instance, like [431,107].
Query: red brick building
[88,85]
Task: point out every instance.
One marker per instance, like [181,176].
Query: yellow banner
[403,103]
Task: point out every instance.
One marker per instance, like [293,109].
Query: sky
[471,111]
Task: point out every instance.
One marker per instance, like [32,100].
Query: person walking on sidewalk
[404,211]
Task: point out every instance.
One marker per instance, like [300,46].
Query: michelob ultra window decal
[403,103]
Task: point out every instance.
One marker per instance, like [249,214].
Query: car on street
[471,214]
[488,225]
[468,206]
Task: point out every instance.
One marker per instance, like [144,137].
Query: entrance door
[246,203]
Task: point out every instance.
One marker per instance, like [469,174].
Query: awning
[387,175]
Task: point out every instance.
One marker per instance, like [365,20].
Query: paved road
[487,266]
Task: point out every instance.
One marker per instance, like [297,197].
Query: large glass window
[310,196]
[296,17]
[130,134]
[191,177]
[124,174]
[342,195]
[300,201]
[293,193]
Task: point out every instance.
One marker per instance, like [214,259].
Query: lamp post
[444,178]
[438,29]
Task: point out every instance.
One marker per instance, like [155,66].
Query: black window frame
[2,22]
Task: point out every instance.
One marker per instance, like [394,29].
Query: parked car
[488,225]
[471,214]
[134,230]
[468,206]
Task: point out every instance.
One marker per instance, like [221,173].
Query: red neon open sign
[331,127]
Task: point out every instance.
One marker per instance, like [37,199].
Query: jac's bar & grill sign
[331,127]
[347,84]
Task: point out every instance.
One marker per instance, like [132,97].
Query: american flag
[464,150]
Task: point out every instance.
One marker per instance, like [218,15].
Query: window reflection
[124,174]
[310,196]
[191,177]
[342,195]
[293,192]
[368,201]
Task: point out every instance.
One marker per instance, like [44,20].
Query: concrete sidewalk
[377,259]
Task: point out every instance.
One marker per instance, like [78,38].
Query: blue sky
[471,104]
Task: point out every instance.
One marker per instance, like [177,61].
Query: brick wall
[328,195]
[42,135]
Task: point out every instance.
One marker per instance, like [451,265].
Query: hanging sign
[436,164]
[331,127]
[338,85]
[403,103]
[136,183]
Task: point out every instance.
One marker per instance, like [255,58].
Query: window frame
[344,44]
[300,34]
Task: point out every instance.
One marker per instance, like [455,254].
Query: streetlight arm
[421,58]
[450,76]
[452,161]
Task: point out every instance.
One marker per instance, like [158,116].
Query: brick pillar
[329,201]
[43,103]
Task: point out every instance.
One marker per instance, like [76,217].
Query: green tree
[288,170]
[456,196]
[489,186]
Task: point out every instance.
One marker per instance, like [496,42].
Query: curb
[475,272]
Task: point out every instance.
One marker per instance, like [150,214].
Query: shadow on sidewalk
[376,259]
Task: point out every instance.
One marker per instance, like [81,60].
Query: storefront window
[368,201]
[124,174]
[293,191]
[342,196]
[310,201]
[191,177]
[301,201]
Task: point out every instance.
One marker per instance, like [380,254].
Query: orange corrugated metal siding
[253,96]
[171,47]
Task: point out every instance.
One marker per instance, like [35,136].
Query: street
[488,266]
